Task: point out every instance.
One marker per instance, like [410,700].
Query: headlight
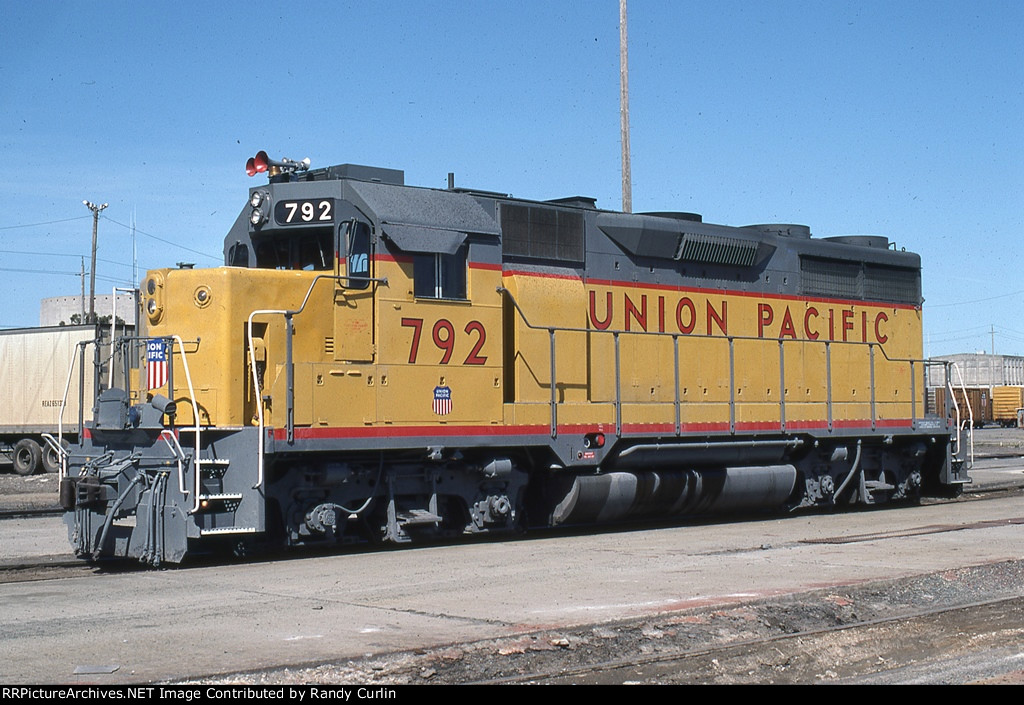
[154,299]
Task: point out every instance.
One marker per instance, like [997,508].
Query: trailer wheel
[51,459]
[27,456]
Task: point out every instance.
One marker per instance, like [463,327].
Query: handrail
[257,393]
[196,428]
[179,454]
[57,448]
[970,412]
[730,339]
[195,418]
[113,325]
[63,405]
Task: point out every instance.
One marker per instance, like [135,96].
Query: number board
[304,212]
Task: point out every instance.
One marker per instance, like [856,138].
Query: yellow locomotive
[380,362]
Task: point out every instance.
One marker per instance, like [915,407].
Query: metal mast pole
[92,269]
[82,300]
[627,180]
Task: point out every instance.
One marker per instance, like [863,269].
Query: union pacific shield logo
[442,400]
[156,363]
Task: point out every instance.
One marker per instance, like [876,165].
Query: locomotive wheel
[27,456]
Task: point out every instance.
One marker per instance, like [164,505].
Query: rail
[969,421]
[172,442]
[872,350]
[113,321]
[289,365]
[62,473]
[195,415]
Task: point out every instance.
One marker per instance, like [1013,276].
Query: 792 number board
[304,212]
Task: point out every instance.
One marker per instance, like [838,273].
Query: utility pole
[92,269]
[627,179]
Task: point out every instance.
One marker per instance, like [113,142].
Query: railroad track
[30,512]
[51,567]
[913,644]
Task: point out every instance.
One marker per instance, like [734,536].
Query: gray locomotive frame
[128,489]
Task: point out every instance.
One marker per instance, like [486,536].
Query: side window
[238,255]
[358,255]
[440,276]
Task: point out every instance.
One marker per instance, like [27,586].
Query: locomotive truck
[377,362]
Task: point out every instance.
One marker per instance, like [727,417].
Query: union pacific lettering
[709,314]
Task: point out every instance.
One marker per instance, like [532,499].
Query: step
[418,517]
[228,530]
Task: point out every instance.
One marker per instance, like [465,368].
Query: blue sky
[901,118]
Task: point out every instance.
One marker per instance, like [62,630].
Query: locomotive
[377,362]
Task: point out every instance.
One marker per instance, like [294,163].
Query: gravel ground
[721,645]
[22,493]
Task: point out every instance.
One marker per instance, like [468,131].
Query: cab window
[311,251]
[357,259]
[440,276]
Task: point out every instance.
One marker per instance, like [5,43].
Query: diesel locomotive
[377,362]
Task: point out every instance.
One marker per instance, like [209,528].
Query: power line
[61,274]
[61,254]
[166,242]
[45,222]
[115,222]
[975,301]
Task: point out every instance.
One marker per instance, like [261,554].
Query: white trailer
[35,397]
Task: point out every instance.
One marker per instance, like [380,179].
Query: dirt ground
[788,640]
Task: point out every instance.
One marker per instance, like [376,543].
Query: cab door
[353,294]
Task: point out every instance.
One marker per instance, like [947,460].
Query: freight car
[34,385]
[1007,403]
[975,404]
[384,363]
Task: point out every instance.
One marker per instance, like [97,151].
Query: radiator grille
[716,249]
[859,280]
